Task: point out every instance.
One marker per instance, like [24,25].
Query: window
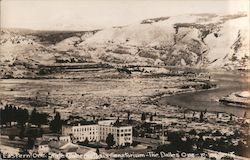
[122,135]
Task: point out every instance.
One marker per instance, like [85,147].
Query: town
[150,135]
[116,80]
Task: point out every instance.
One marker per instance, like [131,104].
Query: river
[227,82]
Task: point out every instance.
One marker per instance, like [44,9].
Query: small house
[43,147]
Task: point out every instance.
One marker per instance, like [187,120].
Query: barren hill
[196,40]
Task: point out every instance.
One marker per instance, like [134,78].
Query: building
[81,132]
[122,134]
[71,153]
[43,147]
[99,132]
[50,137]
[65,138]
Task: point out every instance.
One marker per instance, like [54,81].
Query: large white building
[99,132]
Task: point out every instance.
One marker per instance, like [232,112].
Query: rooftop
[44,143]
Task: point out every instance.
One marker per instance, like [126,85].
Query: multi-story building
[99,132]
[81,132]
[122,134]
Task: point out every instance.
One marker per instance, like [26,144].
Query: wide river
[227,82]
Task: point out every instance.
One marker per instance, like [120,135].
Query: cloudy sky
[92,14]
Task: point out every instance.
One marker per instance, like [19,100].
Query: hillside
[205,40]
[196,40]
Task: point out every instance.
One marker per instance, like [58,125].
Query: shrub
[12,137]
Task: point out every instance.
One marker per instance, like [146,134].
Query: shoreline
[158,100]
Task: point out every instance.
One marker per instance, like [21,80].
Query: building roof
[56,144]
[44,143]
[72,149]
[51,135]
[68,146]
[76,123]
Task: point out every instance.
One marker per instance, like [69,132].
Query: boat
[239,99]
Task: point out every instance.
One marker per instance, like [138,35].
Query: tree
[38,118]
[110,140]
[32,134]
[11,137]
[97,151]
[56,123]
[231,117]
[155,114]
[128,116]
[22,116]
[3,116]
[245,115]
[135,133]
[30,143]
[33,117]
[86,141]
[21,133]
[143,116]
[201,116]
[193,114]
[42,118]
[205,111]
[151,117]
[117,122]
[184,114]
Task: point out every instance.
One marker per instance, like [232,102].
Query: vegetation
[143,116]
[56,123]
[110,140]
[97,151]
[10,113]
[38,118]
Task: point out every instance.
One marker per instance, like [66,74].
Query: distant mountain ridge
[195,40]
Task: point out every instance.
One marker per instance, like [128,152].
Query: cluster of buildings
[65,145]
[98,132]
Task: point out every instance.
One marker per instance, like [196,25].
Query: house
[43,147]
[65,138]
[91,154]
[71,153]
[50,137]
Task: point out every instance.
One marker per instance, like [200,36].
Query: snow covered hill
[195,40]
[206,40]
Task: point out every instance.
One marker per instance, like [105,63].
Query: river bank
[227,83]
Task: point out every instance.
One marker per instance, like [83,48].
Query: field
[95,89]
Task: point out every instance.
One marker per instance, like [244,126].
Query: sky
[93,14]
